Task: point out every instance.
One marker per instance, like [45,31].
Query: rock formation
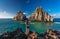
[19,16]
[40,15]
[19,34]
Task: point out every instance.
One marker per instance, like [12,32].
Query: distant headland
[38,15]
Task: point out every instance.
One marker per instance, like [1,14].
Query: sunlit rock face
[40,15]
[19,16]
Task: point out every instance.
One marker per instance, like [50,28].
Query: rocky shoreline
[19,34]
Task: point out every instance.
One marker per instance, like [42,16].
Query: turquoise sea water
[9,25]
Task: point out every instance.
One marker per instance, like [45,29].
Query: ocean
[9,25]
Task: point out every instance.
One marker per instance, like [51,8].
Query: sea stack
[40,15]
[19,16]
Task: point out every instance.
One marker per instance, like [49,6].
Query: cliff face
[40,15]
[19,16]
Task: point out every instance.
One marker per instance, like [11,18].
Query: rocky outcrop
[52,34]
[19,16]
[19,34]
[40,15]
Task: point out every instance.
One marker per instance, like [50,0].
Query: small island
[19,16]
[40,15]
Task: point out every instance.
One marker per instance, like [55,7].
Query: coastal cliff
[19,16]
[40,15]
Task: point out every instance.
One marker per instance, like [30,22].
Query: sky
[9,8]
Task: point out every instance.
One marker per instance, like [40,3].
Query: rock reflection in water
[39,27]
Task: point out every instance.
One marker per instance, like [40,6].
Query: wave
[57,22]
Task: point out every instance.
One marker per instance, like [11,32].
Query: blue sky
[8,8]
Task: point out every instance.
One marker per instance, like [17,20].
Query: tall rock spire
[39,9]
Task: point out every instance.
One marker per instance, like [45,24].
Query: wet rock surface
[19,34]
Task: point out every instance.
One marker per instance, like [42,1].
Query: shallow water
[9,25]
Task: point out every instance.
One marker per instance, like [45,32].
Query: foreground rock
[40,15]
[19,16]
[19,34]
[52,34]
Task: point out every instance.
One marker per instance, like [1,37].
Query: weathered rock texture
[40,15]
[19,16]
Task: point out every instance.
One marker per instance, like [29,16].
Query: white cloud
[5,14]
[24,13]
[57,15]
[27,15]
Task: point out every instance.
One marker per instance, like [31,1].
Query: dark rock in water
[19,16]
[40,15]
